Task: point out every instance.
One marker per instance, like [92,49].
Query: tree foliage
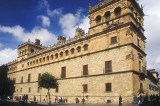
[47,81]
[6,85]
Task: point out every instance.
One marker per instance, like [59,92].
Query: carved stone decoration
[130,56]
[129,32]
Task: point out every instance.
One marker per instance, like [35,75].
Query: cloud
[45,21]
[152,25]
[8,55]
[44,35]
[69,22]
[1,45]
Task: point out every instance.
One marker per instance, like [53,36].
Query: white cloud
[44,35]
[152,25]
[45,21]
[7,55]
[1,45]
[69,22]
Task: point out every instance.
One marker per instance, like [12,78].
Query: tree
[49,82]
[6,85]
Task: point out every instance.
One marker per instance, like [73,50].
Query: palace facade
[100,65]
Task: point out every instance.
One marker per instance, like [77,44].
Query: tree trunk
[49,97]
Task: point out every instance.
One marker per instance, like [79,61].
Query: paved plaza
[16,103]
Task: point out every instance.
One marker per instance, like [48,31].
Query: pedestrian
[139,99]
[77,100]
[120,100]
[157,99]
[34,98]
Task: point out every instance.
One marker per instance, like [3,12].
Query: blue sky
[21,20]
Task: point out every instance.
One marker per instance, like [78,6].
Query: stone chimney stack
[37,41]
[61,39]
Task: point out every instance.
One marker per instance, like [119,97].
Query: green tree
[6,85]
[48,81]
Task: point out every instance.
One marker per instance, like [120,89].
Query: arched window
[33,61]
[117,11]
[56,55]
[66,52]
[72,51]
[32,50]
[43,59]
[107,15]
[20,53]
[37,61]
[61,54]
[52,57]
[79,49]
[40,60]
[85,47]
[131,8]
[47,58]
[98,19]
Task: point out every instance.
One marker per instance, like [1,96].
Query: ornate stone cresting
[79,32]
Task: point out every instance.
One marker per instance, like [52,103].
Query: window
[21,90]
[29,90]
[117,11]
[72,51]
[114,40]
[43,59]
[140,67]
[108,66]
[57,89]
[138,42]
[39,75]
[38,89]
[37,61]
[141,87]
[85,88]
[56,55]
[47,58]
[22,65]
[107,15]
[40,60]
[21,79]
[79,49]
[33,61]
[32,50]
[29,77]
[52,57]
[66,52]
[108,87]
[85,47]
[85,70]
[98,19]
[61,54]
[63,72]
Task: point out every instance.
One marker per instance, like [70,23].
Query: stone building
[100,65]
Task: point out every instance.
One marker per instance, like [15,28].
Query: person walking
[139,99]
[120,100]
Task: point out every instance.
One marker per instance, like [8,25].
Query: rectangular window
[29,77]
[21,90]
[57,89]
[141,86]
[108,66]
[29,90]
[39,75]
[85,69]
[113,40]
[21,79]
[38,90]
[140,66]
[85,88]
[63,72]
[108,87]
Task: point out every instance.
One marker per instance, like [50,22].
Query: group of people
[153,98]
[60,100]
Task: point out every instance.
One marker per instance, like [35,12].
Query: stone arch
[117,11]
[85,47]
[98,19]
[107,15]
